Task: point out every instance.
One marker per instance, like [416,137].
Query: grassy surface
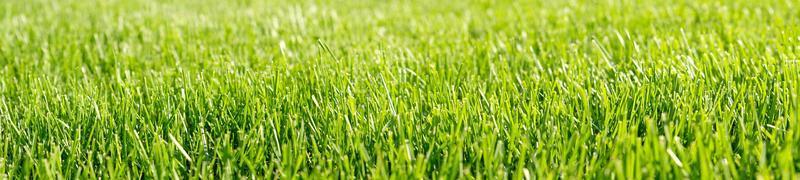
[399,89]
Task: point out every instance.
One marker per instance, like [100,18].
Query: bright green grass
[400,89]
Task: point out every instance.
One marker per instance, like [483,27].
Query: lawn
[399,89]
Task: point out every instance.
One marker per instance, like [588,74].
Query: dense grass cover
[399,89]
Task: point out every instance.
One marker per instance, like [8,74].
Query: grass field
[399,89]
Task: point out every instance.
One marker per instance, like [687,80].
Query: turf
[399,89]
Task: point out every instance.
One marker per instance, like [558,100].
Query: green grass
[399,89]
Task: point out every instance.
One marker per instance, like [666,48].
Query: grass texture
[399,89]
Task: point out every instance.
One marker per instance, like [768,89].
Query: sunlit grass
[401,89]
